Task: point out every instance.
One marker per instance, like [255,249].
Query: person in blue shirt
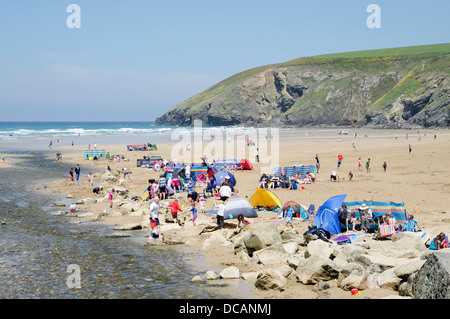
[410,224]
[289,213]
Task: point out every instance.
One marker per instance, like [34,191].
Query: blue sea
[40,134]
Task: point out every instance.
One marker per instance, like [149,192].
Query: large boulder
[315,268]
[433,279]
[319,248]
[230,273]
[271,279]
[272,255]
[262,235]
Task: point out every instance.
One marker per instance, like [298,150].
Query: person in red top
[175,208]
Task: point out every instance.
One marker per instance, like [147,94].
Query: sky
[136,59]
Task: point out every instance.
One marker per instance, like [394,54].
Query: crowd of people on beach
[170,186]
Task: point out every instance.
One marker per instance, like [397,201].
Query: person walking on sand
[154,217]
[289,216]
[360,164]
[317,164]
[221,213]
[111,197]
[77,172]
[410,149]
[384,166]
[368,165]
[175,208]
[71,176]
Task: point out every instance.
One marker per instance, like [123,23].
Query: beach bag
[386,230]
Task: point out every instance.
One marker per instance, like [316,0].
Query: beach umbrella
[220,177]
[327,215]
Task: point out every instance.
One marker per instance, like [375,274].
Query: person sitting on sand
[389,219]
[365,214]
[274,181]
[410,224]
[439,242]
[346,216]
[263,181]
[244,221]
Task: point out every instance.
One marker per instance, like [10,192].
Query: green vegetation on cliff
[396,87]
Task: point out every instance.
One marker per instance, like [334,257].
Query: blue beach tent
[327,216]
[220,177]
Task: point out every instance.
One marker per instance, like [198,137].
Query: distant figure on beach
[350,175]
[334,176]
[3,160]
[90,179]
[410,149]
[97,190]
[354,147]
[194,213]
[368,165]
[77,172]
[317,164]
[111,197]
[257,155]
[154,217]
[360,164]
[58,157]
[174,209]
[71,176]
[73,209]
[221,213]
[384,166]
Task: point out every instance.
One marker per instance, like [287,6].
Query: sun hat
[364,207]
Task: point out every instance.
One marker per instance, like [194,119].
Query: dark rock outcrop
[433,280]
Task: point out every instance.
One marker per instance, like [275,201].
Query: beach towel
[386,230]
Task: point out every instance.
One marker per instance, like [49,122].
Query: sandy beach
[418,178]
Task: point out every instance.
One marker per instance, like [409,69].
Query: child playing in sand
[384,166]
[73,209]
[289,215]
[194,213]
[90,178]
[350,175]
[110,197]
[201,204]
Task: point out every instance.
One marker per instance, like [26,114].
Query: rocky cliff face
[389,91]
